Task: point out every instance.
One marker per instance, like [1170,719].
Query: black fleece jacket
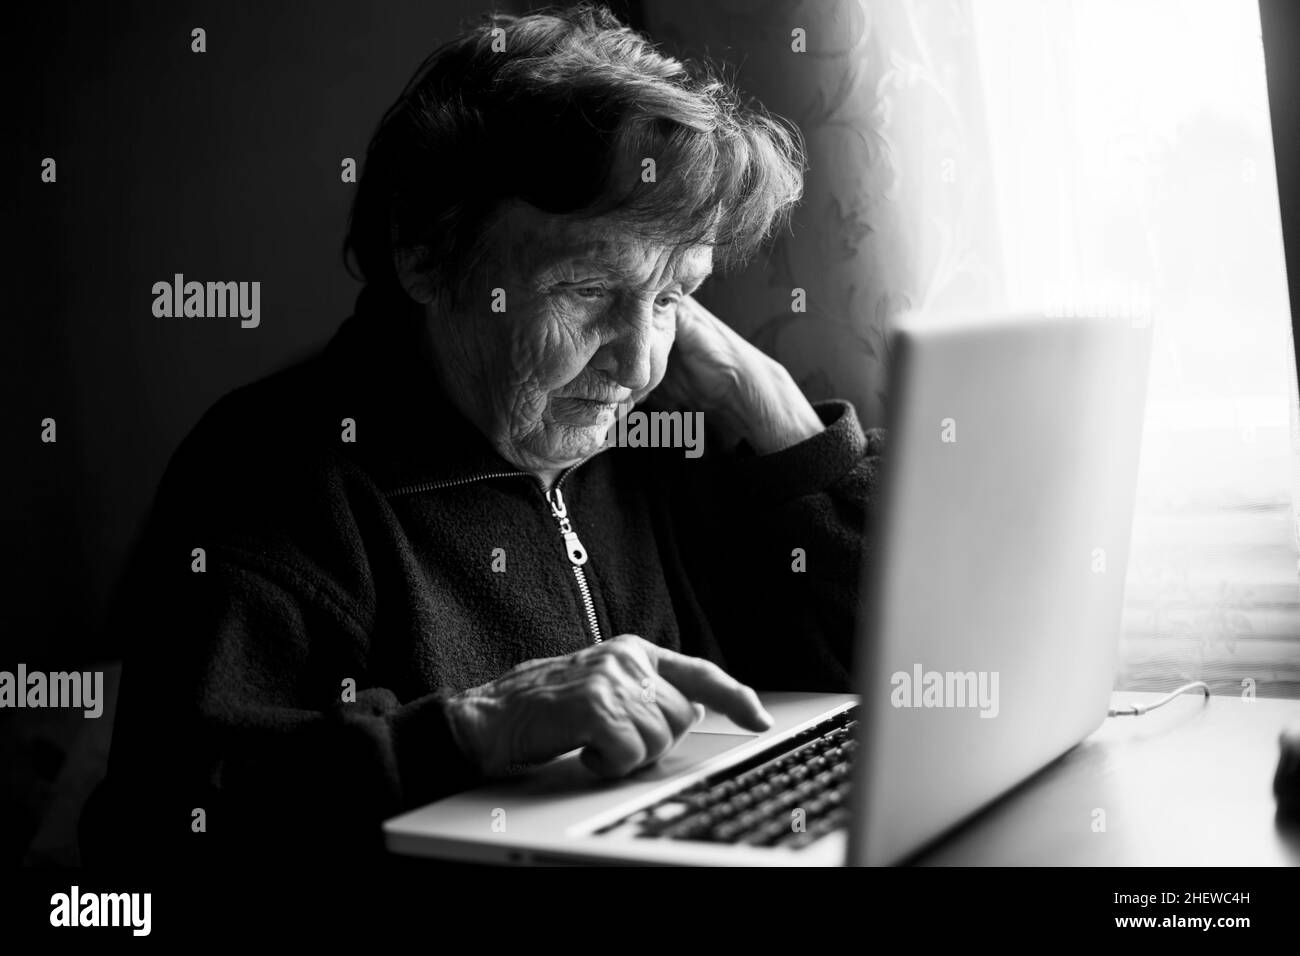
[376,561]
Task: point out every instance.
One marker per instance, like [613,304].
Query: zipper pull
[577,553]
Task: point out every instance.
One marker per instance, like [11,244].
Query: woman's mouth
[584,410]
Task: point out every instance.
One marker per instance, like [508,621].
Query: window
[1135,172]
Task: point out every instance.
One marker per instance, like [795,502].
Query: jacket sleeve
[779,545]
[237,690]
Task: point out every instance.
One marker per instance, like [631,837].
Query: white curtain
[1101,154]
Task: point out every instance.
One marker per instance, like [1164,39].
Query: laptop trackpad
[690,752]
[566,774]
[716,723]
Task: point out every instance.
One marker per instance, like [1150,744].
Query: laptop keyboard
[757,801]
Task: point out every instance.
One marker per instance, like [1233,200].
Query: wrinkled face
[587,318]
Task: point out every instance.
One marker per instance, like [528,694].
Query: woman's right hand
[625,702]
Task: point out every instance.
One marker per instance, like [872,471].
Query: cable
[1137,710]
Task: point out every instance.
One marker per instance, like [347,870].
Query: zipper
[573,548]
[434,485]
[577,554]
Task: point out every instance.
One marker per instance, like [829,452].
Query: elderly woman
[412,562]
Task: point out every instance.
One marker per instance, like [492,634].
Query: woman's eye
[667,301]
[589,291]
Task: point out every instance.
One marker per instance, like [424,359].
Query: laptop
[987,644]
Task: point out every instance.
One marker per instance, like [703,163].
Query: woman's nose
[629,353]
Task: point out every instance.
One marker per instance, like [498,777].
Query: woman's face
[569,320]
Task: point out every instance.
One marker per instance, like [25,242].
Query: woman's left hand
[747,394]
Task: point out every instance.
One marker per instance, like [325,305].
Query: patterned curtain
[898,209]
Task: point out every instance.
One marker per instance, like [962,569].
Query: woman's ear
[413,265]
[414,273]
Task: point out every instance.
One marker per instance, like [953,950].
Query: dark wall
[222,165]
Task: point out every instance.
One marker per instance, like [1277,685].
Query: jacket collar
[407,431]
